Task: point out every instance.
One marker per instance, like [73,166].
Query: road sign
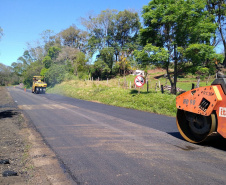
[139,81]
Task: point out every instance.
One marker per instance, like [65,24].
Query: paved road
[104,145]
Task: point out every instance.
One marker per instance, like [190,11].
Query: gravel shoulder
[24,156]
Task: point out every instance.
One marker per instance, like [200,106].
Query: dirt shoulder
[24,156]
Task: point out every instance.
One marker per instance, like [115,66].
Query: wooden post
[207,80]
[162,89]
[156,86]
[159,84]
[193,86]
[147,85]
[198,83]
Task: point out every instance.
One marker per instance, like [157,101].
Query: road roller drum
[201,112]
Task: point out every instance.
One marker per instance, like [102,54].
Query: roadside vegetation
[180,37]
[118,92]
[113,94]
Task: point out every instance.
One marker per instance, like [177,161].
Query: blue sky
[23,21]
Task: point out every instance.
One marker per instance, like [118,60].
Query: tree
[53,53]
[47,61]
[74,37]
[67,54]
[50,39]
[26,59]
[75,57]
[127,25]
[100,69]
[33,69]
[37,52]
[111,28]
[17,68]
[100,28]
[5,75]
[107,54]
[217,8]
[171,26]
[79,62]
[55,74]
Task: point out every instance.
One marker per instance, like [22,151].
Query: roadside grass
[113,93]
[121,92]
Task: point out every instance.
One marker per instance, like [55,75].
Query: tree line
[177,35]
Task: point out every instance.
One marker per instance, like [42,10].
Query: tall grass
[113,93]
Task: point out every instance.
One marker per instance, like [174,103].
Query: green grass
[113,92]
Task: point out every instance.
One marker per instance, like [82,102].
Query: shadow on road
[176,134]
[217,141]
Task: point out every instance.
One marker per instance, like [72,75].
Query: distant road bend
[104,145]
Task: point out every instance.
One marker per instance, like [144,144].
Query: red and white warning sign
[139,81]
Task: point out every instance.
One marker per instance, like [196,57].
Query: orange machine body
[206,101]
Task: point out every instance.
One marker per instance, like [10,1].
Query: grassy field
[114,92]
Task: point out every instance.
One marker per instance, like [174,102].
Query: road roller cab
[38,86]
[202,112]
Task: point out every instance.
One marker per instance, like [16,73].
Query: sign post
[139,81]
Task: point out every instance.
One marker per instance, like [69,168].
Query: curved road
[104,145]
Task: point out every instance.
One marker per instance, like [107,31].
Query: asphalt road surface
[103,145]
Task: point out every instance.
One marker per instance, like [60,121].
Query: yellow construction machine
[38,86]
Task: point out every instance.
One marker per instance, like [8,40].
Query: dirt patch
[24,156]
[156,70]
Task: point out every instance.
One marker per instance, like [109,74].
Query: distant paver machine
[38,86]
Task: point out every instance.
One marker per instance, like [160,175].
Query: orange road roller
[201,112]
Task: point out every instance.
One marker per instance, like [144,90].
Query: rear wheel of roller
[195,128]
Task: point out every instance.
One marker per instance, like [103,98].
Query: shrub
[55,74]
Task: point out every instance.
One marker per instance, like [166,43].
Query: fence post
[208,79]
[198,83]
[162,89]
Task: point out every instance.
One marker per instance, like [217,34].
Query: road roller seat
[222,82]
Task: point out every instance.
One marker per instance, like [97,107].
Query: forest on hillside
[177,35]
